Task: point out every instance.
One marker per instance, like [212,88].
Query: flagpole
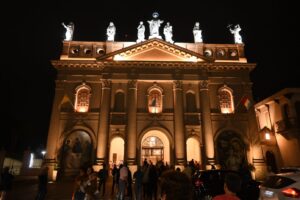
[238,104]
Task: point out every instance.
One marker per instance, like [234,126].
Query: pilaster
[104,122]
[180,150]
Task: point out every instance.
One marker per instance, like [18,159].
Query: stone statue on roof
[141,32]
[168,32]
[154,25]
[111,32]
[236,33]
[197,33]
[69,31]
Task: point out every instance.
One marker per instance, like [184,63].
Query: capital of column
[204,84]
[106,83]
[177,85]
[132,84]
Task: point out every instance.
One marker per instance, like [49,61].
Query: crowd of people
[148,182]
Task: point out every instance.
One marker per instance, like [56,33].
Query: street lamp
[267,136]
[43,153]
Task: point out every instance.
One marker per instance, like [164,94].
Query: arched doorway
[155,146]
[193,149]
[116,152]
[76,151]
[271,161]
[231,150]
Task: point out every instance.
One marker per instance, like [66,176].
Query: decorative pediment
[155,50]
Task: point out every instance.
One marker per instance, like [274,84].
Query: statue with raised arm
[197,33]
[111,32]
[154,25]
[141,32]
[236,33]
[69,31]
[168,32]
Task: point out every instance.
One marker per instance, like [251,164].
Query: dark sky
[35,37]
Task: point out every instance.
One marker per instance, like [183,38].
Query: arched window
[155,99]
[82,100]
[190,102]
[191,116]
[226,100]
[118,116]
[119,102]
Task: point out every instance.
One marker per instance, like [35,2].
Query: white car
[283,186]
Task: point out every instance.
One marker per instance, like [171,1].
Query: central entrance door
[152,149]
[155,146]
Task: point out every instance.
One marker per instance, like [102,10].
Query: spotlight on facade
[31,160]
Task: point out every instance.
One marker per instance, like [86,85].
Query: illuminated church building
[153,99]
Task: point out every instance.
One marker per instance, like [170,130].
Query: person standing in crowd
[232,185]
[102,174]
[152,182]
[129,183]
[138,185]
[43,181]
[175,186]
[114,173]
[122,181]
[79,192]
[91,187]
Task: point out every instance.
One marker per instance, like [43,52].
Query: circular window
[221,53]
[74,50]
[208,53]
[100,51]
[87,51]
[233,53]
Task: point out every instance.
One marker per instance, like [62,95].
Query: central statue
[154,25]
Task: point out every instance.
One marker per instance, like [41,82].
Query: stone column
[53,134]
[180,150]
[131,123]
[206,123]
[102,154]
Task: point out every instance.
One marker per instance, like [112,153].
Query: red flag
[246,102]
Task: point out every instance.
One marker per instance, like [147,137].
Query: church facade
[126,102]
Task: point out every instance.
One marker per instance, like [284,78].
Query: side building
[278,118]
[127,101]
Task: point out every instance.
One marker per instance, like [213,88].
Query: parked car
[289,169]
[283,186]
[209,183]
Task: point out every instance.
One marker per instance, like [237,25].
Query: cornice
[79,64]
[75,64]
[156,43]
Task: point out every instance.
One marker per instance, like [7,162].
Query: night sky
[35,34]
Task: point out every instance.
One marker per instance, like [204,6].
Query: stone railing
[192,118]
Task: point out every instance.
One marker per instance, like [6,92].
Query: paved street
[25,188]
